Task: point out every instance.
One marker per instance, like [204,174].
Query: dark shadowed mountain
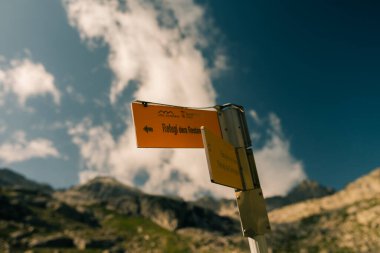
[9,178]
[305,190]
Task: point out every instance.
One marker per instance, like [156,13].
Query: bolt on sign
[222,160]
[162,126]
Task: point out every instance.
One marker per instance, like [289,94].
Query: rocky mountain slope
[105,215]
[347,221]
[171,214]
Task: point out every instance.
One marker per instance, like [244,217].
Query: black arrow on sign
[148,129]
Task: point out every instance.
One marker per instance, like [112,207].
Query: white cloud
[19,149]
[156,46]
[27,79]
[95,144]
[255,116]
[159,48]
[278,170]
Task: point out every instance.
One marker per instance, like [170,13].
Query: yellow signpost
[222,161]
[224,135]
[160,126]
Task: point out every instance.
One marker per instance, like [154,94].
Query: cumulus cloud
[159,48]
[26,79]
[20,149]
[278,170]
[166,171]
[95,144]
[255,116]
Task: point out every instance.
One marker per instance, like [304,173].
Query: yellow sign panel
[160,126]
[222,160]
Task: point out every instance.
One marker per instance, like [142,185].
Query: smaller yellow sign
[222,160]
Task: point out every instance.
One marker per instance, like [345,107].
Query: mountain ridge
[9,178]
[365,187]
[106,214]
[347,221]
[169,213]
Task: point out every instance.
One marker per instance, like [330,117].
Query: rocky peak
[103,180]
[99,189]
[308,189]
[364,188]
[305,190]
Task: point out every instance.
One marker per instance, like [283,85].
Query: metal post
[258,244]
[251,204]
[252,245]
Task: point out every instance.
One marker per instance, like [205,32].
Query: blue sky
[307,74]
[315,64]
